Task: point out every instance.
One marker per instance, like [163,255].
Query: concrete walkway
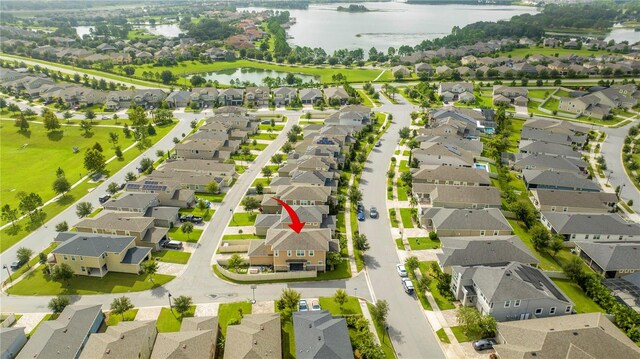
[29,321]
[207,310]
[149,313]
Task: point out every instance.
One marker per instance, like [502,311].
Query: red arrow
[296,225]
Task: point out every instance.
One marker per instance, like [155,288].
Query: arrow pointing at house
[296,225]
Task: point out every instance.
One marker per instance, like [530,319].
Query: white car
[401,270]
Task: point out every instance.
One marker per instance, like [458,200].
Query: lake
[623,34]
[166,30]
[249,74]
[388,24]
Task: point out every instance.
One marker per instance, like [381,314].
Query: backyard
[170,321]
[228,311]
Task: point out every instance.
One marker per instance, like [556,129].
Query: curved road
[612,151]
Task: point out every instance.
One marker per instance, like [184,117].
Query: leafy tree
[333,259]
[355,195]
[556,244]
[10,214]
[475,325]
[57,304]
[61,186]
[50,120]
[62,273]
[187,228]
[524,211]
[130,176]
[62,226]
[213,187]
[129,70]
[340,297]
[182,304]
[574,269]
[267,172]
[67,116]
[235,261]
[287,147]
[59,172]
[250,204]
[146,164]
[259,188]
[23,254]
[113,138]
[138,117]
[84,209]
[42,258]
[289,299]
[277,158]
[121,305]
[150,268]
[94,161]
[406,178]
[540,237]
[118,153]
[411,263]
[89,115]
[29,203]
[404,132]
[167,77]
[86,126]
[22,123]
[113,188]
[380,311]
[361,242]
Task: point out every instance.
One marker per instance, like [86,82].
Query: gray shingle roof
[135,255]
[613,256]
[596,200]
[474,219]
[582,223]
[131,200]
[559,179]
[472,251]
[125,340]
[257,336]
[447,173]
[93,245]
[319,335]
[459,194]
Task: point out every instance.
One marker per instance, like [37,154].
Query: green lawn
[264,136]
[33,261]
[404,166]
[443,336]
[265,181]
[276,128]
[352,306]
[385,342]
[171,256]
[256,147]
[242,219]
[393,219]
[546,260]
[36,283]
[176,233]
[206,214]
[218,197]
[417,243]
[243,158]
[231,237]
[443,302]
[460,336]
[403,194]
[551,104]
[550,51]
[228,311]
[114,319]
[399,244]
[170,321]
[405,215]
[582,303]
[540,94]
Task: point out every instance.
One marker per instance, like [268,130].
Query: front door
[296,267]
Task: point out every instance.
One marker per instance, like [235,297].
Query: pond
[387,24]
[620,34]
[252,75]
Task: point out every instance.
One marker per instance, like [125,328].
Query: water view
[249,74]
[387,24]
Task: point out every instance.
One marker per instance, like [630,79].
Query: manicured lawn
[36,283]
[385,342]
[443,302]
[551,104]
[228,311]
[264,136]
[405,215]
[33,261]
[218,197]
[443,336]
[256,147]
[403,194]
[170,321]
[265,181]
[582,303]
[404,166]
[399,244]
[276,128]
[546,260]
[177,234]
[230,237]
[244,158]
[206,214]
[242,219]
[460,336]
[417,243]
[288,342]
[540,94]
[114,319]
[171,256]
[393,219]
[352,306]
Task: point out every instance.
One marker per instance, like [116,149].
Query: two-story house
[590,227]
[282,96]
[449,222]
[573,201]
[121,224]
[257,96]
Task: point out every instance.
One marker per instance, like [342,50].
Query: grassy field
[218,197]
[114,319]
[443,336]
[540,94]
[242,219]
[176,233]
[550,51]
[582,303]
[324,74]
[417,243]
[206,214]
[36,283]
[385,342]
[265,181]
[231,237]
[460,336]
[352,306]
[170,321]
[170,256]
[443,302]
[228,311]
[405,215]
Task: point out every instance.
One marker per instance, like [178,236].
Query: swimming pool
[482,166]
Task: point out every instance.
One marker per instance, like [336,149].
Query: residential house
[559,135]
[125,340]
[97,254]
[443,71]
[204,97]
[483,251]
[353,116]
[436,154]
[472,146]
[550,163]
[589,105]
[283,96]
[310,96]
[150,98]
[225,171]
[320,335]
[588,335]
[286,250]
[573,201]
[518,96]
[132,202]
[440,195]
[169,191]
[65,336]
[196,181]
[166,217]
[296,195]
[512,291]
[12,340]
[611,260]
[231,97]
[550,42]
[197,338]
[576,132]
[400,72]
[474,119]
[179,98]
[314,217]
[450,222]
[448,126]
[257,336]
[257,96]
[119,224]
[336,95]
[206,149]
[424,68]
[576,227]
[528,147]
[566,181]
[457,176]
[451,91]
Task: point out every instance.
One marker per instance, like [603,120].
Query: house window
[311,253]
[552,310]
[539,311]
[300,253]
[565,209]
[81,258]
[620,238]
[495,233]
[73,258]
[573,236]
[482,233]
[586,236]
[596,236]
[491,305]
[289,253]
[567,309]
[516,303]
[64,257]
[83,269]
[553,209]
[507,304]
[320,263]
[276,253]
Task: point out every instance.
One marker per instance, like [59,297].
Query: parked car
[265,122]
[190,218]
[408,286]
[360,215]
[484,344]
[16,265]
[315,305]
[360,206]
[104,198]
[378,144]
[373,212]
[302,305]
[172,244]
[401,270]
[122,185]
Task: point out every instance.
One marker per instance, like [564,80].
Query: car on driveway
[104,198]
[191,218]
[302,305]
[172,244]
[360,215]
[373,212]
[401,270]
[484,344]
[378,144]
[315,305]
[408,286]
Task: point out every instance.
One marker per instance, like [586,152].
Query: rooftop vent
[575,333]
[184,346]
[108,351]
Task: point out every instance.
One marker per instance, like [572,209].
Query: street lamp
[386,331]
[253,288]
[4,266]
[170,305]
[355,292]
[232,219]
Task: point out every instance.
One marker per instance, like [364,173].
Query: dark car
[484,344]
[16,265]
[360,215]
[191,218]
[378,144]
[172,244]
[373,212]
[104,198]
